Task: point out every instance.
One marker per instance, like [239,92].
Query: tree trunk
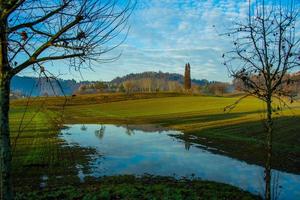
[269,127]
[5,146]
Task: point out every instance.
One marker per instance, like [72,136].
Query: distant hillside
[39,87]
[157,75]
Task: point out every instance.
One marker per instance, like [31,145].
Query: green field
[239,133]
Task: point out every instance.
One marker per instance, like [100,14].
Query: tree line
[154,85]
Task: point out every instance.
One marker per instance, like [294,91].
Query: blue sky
[166,34]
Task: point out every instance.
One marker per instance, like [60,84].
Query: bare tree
[218,88]
[266,48]
[33,32]
[128,85]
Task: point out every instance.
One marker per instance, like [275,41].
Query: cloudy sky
[166,34]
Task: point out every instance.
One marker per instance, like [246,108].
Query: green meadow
[239,133]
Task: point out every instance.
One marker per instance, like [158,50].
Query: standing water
[124,150]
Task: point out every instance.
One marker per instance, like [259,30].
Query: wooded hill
[158,75]
[33,86]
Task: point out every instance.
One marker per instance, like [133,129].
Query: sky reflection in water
[147,149]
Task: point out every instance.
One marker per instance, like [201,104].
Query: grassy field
[239,133]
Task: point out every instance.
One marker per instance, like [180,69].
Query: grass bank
[147,187]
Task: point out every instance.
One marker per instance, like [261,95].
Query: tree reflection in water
[100,132]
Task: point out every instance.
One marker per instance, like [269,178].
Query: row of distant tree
[142,82]
[154,85]
[157,82]
[290,84]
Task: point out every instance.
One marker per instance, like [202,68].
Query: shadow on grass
[176,119]
[245,141]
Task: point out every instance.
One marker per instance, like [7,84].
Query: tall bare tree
[266,49]
[33,32]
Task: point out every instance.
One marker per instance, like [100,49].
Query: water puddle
[146,149]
